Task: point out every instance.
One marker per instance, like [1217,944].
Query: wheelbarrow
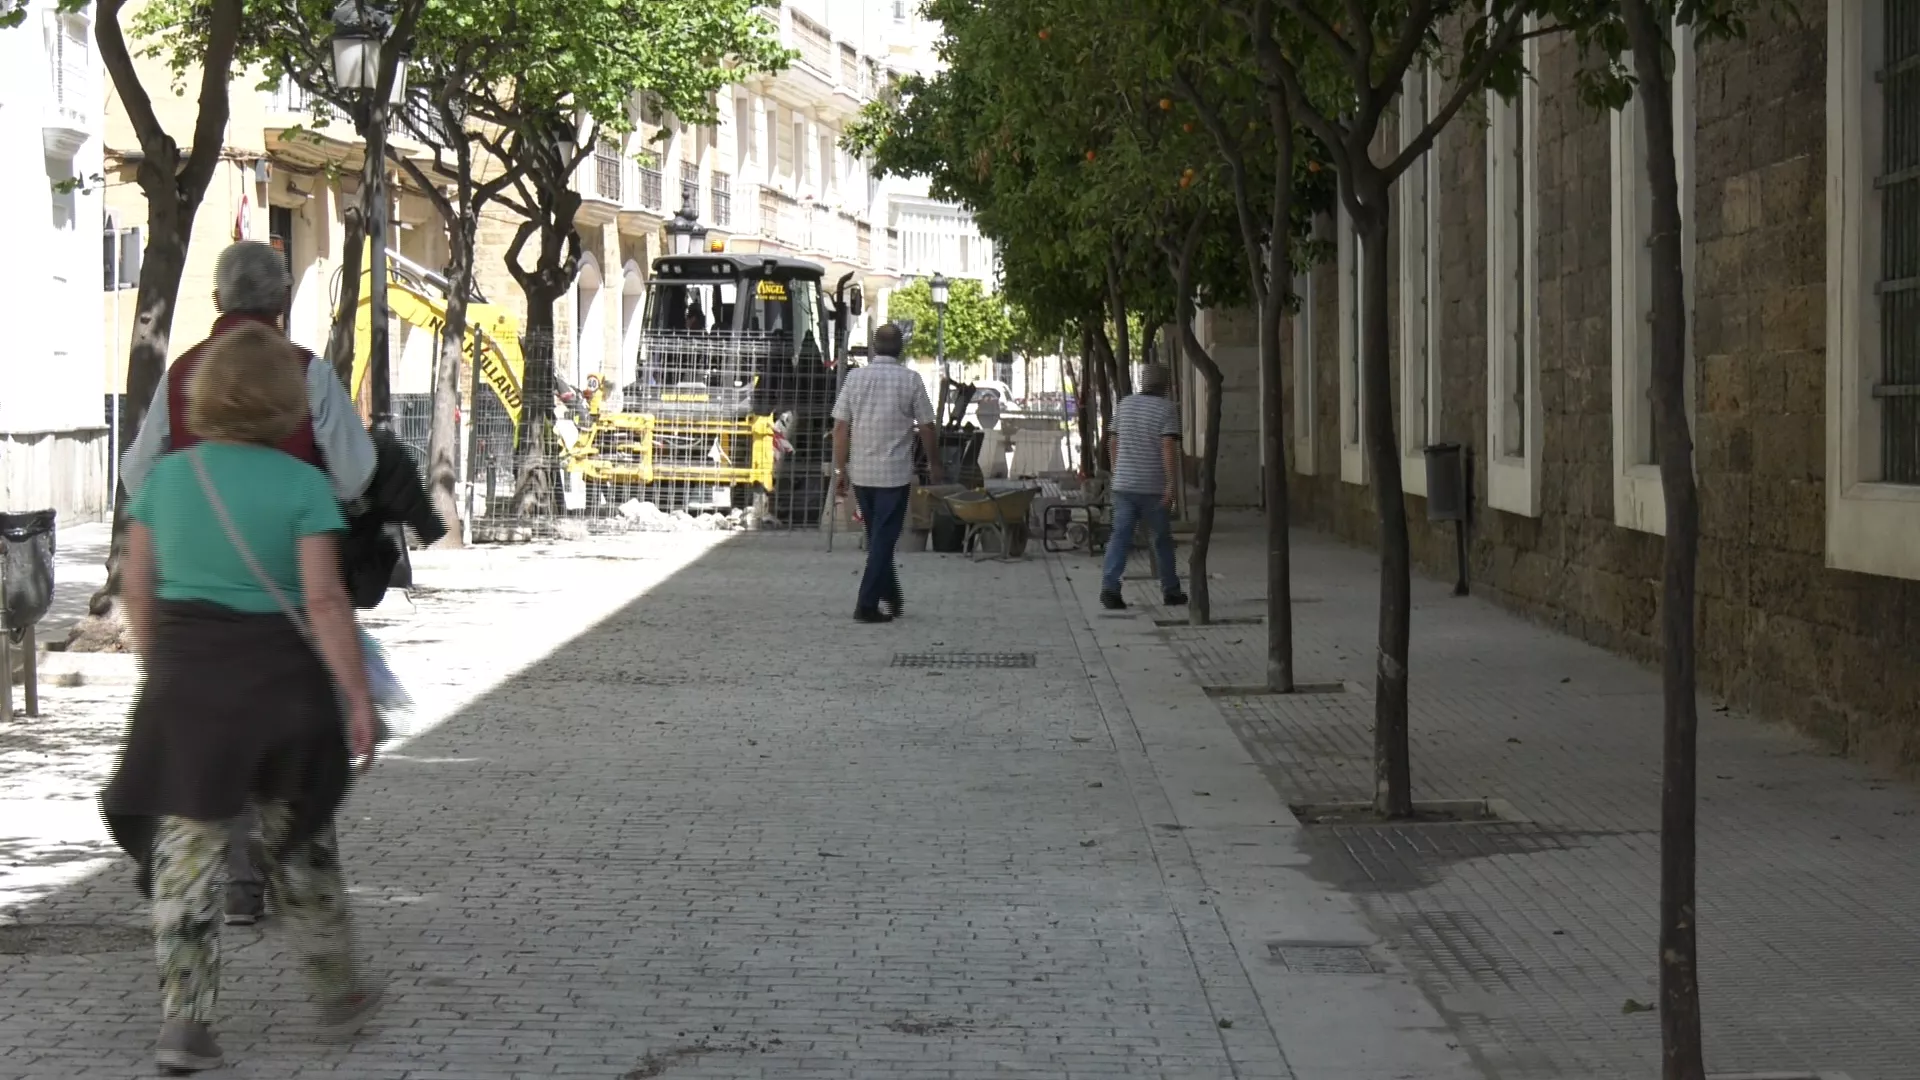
[999,517]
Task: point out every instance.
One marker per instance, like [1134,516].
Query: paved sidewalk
[1532,936]
[674,814]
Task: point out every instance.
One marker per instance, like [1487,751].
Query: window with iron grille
[1351,263]
[1638,499]
[690,185]
[1418,233]
[607,170]
[652,187]
[722,199]
[1513,280]
[1303,352]
[1898,287]
[1872,218]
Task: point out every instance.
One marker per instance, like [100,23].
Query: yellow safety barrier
[635,433]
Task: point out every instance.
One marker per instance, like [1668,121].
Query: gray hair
[887,341]
[250,278]
[1154,379]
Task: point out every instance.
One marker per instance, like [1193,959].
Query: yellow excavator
[492,332]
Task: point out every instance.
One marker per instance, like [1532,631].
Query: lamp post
[689,237]
[359,34]
[937,285]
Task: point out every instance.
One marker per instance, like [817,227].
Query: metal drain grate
[964,660]
[1322,959]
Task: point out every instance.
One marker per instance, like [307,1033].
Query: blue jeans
[885,511]
[1128,510]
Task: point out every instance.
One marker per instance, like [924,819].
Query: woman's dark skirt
[234,706]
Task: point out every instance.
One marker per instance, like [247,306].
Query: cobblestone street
[666,811]
[677,815]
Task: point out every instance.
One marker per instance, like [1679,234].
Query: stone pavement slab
[1531,936]
[670,812]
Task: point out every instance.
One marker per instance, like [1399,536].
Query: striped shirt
[883,403]
[1141,424]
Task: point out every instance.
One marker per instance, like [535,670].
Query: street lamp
[937,285]
[688,235]
[360,33]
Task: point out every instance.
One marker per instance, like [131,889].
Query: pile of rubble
[640,516]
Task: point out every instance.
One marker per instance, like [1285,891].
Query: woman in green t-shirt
[255,690]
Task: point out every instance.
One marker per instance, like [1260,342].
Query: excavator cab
[731,394]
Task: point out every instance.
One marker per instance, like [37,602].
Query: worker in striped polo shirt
[1145,448]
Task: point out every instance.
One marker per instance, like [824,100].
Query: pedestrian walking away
[880,408]
[252,288]
[249,698]
[1145,452]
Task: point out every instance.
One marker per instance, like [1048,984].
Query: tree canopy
[977,327]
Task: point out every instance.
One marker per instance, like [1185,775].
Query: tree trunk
[1274,481]
[1120,347]
[352,265]
[534,494]
[1200,597]
[443,439]
[1365,191]
[169,225]
[1108,368]
[1273,293]
[1681,1056]
[1085,406]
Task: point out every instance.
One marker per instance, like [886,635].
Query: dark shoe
[1174,599]
[1113,601]
[895,606]
[187,1046]
[246,903]
[871,615]
[344,1018]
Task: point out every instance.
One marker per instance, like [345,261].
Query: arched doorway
[633,309]
[589,326]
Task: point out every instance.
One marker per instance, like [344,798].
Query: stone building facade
[1520,333]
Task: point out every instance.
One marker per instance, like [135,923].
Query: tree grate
[1322,959]
[964,660]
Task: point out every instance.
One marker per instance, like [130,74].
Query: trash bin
[1446,483]
[26,592]
[26,568]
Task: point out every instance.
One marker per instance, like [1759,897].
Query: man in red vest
[251,284]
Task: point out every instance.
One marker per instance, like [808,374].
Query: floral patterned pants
[189,887]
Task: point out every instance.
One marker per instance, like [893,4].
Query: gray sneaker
[187,1046]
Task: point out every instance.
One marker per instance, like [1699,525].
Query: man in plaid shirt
[874,422]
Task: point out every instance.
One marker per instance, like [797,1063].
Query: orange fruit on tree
[1313,166]
[1089,155]
[1166,104]
[1187,127]
[1045,34]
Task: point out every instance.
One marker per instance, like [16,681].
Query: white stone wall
[52,385]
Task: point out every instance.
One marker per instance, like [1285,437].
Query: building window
[1303,429]
[1513,354]
[1419,231]
[1353,457]
[901,11]
[722,197]
[784,143]
[1873,287]
[690,186]
[1638,502]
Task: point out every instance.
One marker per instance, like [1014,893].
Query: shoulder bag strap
[246,553]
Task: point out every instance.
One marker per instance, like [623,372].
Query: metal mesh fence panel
[718,415]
